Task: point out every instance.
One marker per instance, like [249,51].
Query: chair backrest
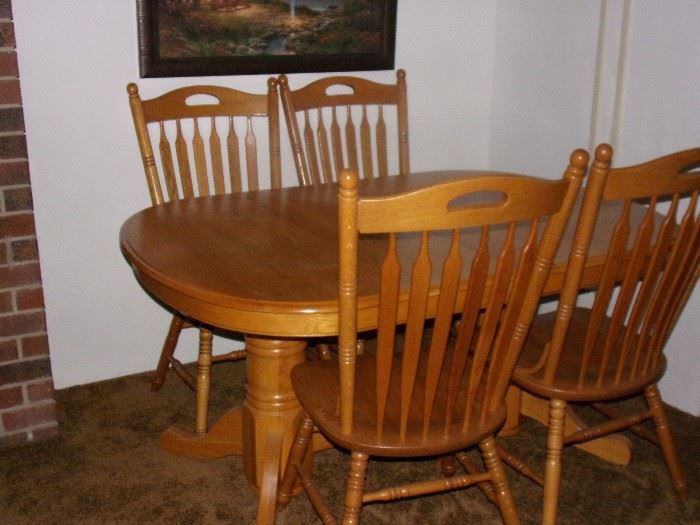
[655,264]
[496,252]
[326,117]
[205,135]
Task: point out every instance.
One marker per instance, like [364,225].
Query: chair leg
[355,488]
[552,469]
[203,380]
[504,497]
[167,352]
[658,414]
[302,440]
[472,468]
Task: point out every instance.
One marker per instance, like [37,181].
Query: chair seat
[321,401]
[566,385]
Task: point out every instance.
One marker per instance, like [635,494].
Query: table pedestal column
[271,410]
[269,417]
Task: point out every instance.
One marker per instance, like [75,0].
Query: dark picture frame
[180,38]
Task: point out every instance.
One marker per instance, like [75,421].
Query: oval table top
[266,262]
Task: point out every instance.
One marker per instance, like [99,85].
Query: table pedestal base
[224,439]
[263,429]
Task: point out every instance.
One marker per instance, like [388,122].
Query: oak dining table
[265,264]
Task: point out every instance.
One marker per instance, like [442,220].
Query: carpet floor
[106,467]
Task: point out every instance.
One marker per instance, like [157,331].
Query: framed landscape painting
[237,37]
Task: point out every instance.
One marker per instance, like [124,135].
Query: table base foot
[267,501]
[223,439]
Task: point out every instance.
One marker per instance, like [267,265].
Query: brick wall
[27,406]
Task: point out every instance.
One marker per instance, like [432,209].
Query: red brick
[11,118]
[7,34]
[24,250]
[3,253]
[11,397]
[14,172]
[8,351]
[40,391]
[8,64]
[10,92]
[15,275]
[20,324]
[6,303]
[29,417]
[13,146]
[18,199]
[13,440]
[30,298]
[24,371]
[18,225]
[35,346]
[5,8]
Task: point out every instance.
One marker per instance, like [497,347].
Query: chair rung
[606,428]
[183,373]
[233,355]
[315,497]
[611,413]
[519,465]
[425,487]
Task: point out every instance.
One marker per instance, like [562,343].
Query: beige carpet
[106,467]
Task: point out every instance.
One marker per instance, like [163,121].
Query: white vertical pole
[610,73]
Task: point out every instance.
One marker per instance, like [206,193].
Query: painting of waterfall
[228,37]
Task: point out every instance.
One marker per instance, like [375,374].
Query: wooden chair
[613,349]
[205,135]
[428,395]
[321,120]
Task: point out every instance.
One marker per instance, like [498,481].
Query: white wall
[507,85]
[542,85]
[75,59]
